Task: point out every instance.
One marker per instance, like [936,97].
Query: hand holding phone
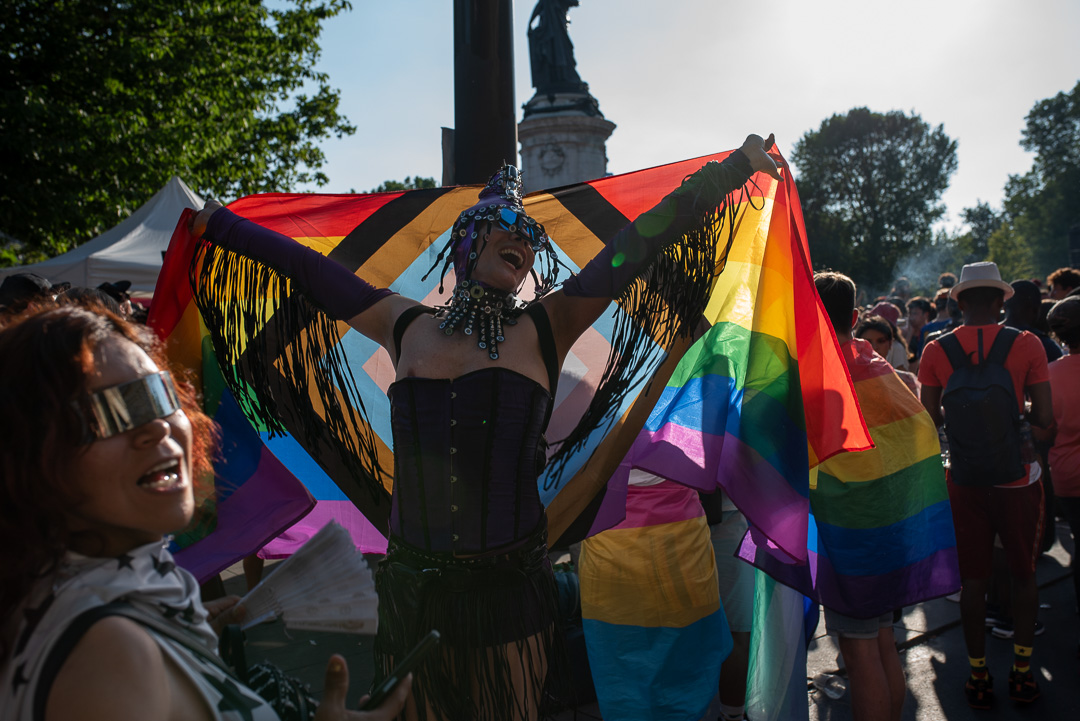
[408,665]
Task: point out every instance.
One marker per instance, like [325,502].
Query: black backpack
[982,422]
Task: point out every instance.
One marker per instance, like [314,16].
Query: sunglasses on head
[520,223]
[117,409]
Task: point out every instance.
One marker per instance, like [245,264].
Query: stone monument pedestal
[563,139]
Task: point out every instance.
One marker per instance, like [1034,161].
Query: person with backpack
[974,381]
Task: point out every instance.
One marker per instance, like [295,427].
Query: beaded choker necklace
[475,308]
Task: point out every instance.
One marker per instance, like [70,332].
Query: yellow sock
[1021,657]
[978,666]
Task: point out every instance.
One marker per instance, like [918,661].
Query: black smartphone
[403,669]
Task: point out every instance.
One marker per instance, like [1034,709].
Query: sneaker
[1022,686]
[1004,629]
[994,617]
[980,692]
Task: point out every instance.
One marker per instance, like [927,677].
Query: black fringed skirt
[502,646]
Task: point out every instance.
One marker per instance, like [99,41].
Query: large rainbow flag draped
[392,240]
[650,605]
[881,530]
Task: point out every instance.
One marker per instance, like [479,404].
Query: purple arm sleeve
[329,285]
[634,247]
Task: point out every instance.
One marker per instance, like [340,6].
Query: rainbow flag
[392,240]
[764,394]
[880,531]
[655,630]
[256,497]
[776,674]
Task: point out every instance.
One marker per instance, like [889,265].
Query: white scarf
[160,594]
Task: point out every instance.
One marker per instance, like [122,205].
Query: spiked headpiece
[500,204]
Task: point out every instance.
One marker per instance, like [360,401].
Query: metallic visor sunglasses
[520,223]
[120,408]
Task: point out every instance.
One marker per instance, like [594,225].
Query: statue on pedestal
[562,132]
[551,53]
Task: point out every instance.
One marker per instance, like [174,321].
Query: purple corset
[467,453]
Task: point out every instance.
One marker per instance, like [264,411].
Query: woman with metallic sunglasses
[475,384]
[99,462]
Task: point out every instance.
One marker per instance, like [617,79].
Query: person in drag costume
[99,463]
[474,389]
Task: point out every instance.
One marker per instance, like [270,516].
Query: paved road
[935,658]
[933,654]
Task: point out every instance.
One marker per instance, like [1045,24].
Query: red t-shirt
[1026,361]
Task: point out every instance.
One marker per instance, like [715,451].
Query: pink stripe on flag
[665,502]
[364,535]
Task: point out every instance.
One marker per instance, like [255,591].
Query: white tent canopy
[130,251]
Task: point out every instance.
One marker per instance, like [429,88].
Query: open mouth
[165,476]
[513,256]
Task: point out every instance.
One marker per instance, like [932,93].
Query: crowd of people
[104,442]
[993,364]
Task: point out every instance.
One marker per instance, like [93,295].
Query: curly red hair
[46,355]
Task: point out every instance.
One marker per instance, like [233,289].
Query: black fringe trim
[495,624]
[292,354]
[662,304]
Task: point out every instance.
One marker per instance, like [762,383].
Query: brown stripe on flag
[592,210]
[389,261]
[356,248]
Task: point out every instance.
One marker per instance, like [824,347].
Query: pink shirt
[1065,455]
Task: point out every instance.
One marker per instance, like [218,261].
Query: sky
[684,78]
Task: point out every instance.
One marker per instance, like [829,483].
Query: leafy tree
[1043,204]
[103,100]
[1014,255]
[408,184]
[984,221]
[871,186]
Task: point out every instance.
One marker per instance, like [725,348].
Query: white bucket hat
[980,275]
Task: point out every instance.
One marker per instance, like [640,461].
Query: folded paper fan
[325,586]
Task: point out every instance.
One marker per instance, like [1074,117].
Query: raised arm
[330,286]
[584,297]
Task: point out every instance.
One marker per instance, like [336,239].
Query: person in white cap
[974,380]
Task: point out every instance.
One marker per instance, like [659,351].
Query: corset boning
[467,453]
